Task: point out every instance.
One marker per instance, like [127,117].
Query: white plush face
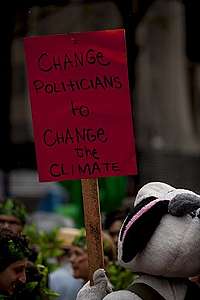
[173,249]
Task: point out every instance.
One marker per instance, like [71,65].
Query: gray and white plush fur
[159,240]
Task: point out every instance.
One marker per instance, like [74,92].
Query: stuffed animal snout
[183,204]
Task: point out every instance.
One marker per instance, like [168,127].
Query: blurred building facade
[163,93]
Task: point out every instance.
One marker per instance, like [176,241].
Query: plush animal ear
[140,225]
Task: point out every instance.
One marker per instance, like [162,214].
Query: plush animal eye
[193,213]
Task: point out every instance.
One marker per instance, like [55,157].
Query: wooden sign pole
[92,218]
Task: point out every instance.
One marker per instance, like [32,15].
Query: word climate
[84,169]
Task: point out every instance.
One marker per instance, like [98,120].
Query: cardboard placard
[79,92]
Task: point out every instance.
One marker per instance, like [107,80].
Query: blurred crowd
[51,261]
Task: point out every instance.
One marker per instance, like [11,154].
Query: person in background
[79,255]
[113,222]
[62,280]
[12,215]
[14,253]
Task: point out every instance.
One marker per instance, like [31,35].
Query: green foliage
[47,245]
[4,297]
[45,293]
[11,207]
[119,277]
[17,250]
[80,240]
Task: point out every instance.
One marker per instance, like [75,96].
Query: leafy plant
[119,277]
[47,246]
[4,297]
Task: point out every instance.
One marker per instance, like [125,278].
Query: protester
[14,253]
[12,215]
[79,255]
[113,222]
[62,280]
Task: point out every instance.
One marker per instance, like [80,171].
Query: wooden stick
[92,218]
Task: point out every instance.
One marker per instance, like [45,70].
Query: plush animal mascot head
[160,240]
[161,236]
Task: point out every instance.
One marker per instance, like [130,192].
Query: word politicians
[84,84]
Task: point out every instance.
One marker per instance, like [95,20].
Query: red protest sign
[79,92]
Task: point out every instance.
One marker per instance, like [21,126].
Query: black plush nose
[195,214]
[198,213]
[183,204]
